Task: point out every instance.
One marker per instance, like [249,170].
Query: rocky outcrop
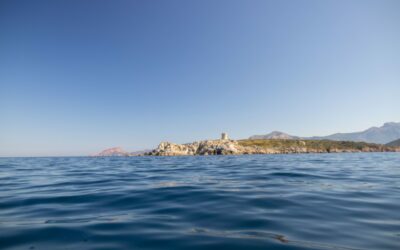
[258,146]
[232,147]
[209,147]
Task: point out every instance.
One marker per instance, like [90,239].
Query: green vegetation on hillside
[395,143]
[323,145]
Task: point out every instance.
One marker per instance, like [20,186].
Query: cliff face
[232,147]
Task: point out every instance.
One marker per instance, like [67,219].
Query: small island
[225,146]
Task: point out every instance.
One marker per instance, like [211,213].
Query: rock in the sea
[209,147]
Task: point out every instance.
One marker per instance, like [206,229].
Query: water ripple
[312,201]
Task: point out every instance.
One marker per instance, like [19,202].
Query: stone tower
[224,136]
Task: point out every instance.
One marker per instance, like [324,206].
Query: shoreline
[265,146]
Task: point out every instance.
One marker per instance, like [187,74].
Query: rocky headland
[270,146]
[370,140]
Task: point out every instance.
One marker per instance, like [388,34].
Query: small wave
[297,175]
[260,235]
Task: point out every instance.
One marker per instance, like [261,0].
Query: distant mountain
[388,132]
[395,143]
[117,151]
[274,135]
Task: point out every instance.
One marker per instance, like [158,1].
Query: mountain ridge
[274,135]
[388,132]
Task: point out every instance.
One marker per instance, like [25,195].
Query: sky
[80,76]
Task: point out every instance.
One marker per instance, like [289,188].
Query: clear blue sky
[80,76]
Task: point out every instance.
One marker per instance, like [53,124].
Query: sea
[338,201]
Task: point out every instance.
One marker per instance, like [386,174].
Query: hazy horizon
[130,149]
[78,77]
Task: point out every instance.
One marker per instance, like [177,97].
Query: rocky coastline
[260,146]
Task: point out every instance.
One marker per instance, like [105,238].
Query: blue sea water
[304,201]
